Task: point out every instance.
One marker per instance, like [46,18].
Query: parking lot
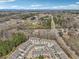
[35,47]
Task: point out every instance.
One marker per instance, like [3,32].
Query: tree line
[7,46]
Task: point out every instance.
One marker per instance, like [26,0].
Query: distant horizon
[39,9]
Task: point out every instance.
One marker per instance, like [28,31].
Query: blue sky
[39,4]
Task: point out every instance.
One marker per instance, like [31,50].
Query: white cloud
[77,2]
[17,7]
[7,0]
[74,6]
[14,6]
[39,6]
[36,5]
[70,6]
[8,7]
